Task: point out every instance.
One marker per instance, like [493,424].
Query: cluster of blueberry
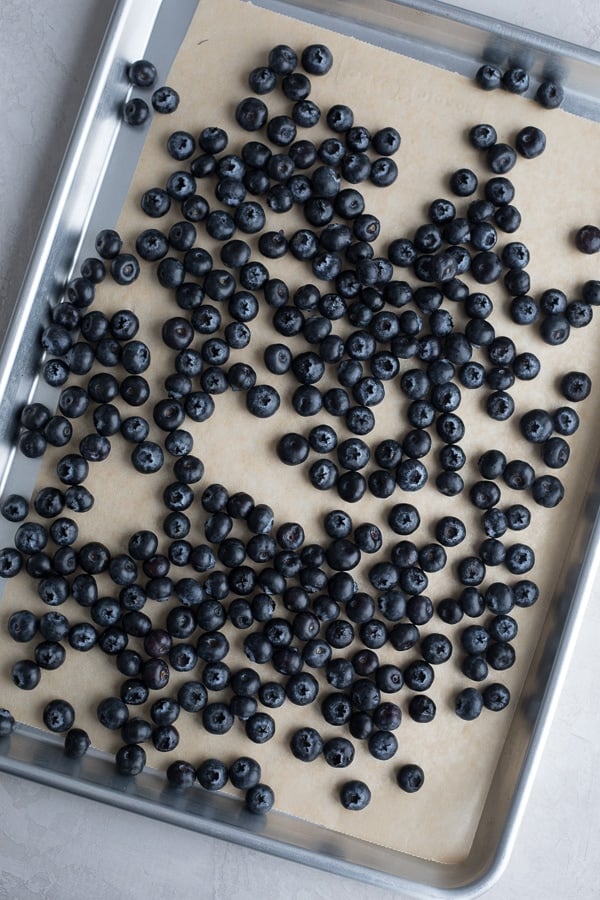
[142,74]
[288,592]
[516,80]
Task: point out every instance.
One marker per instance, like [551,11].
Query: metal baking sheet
[90,190]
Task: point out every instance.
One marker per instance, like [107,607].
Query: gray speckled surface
[55,845]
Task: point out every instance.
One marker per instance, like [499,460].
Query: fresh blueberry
[259,799]
[515,80]
[468,704]
[410,778]
[58,716]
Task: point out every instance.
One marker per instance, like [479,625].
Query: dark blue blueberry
[338,752]
[130,759]
[555,329]
[26,674]
[142,73]
[549,94]
[382,745]
[575,386]
[259,799]
[181,774]
[404,635]
[515,80]
[530,142]
[471,571]
[262,80]
[518,474]
[410,778]
[23,625]
[536,426]
[58,716]
[519,557]
[526,593]
[555,452]
[77,743]
[355,795]
[411,475]
[384,172]
[422,708]
[136,111]
[165,100]
[217,718]
[155,202]
[488,77]
[124,268]
[418,675]
[449,611]
[547,491]
[463,182]
[501,158]
[468,704]
[212,774]
[500,405]
[496,697]
[192,696]
[260,727]
[500,656]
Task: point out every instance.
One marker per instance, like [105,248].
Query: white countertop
[55,845]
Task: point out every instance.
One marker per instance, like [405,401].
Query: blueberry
[436,648]
[217,718]
[251,114]
[58,716]
[212,774]
[77,743]
[142,73]
[468,704]
[530,142]
[463,182]
[549,94]
[382,745]
[135,111]
[130,759]
[262,80]
[566,421]
[181,774]
[474,639]
[26,674]
[471,571]
[410,778]
[488,77]
[316,59]
[587,239]
[500,656]
[155,202]
[575,386]
[259,799]
[555,452]
[165,100]
[165,737]
[338,752]
[501,158]
[482,136]
[547,491]
[418,675]
[23,625]
[515,80]
[355,795]
[496,697]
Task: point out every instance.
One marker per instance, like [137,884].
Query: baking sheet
[446,839]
